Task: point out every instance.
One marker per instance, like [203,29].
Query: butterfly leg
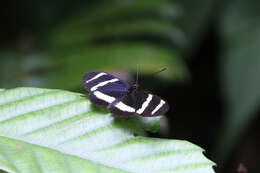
[83,95]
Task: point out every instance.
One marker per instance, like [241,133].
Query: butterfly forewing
[104,88]
[96,79]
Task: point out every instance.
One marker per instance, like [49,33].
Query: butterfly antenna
[137,73]
[161,70]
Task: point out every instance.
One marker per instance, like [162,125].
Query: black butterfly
[121,98]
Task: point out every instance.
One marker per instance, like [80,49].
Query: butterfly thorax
[134,87]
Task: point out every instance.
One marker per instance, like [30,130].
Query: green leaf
[44,130]
[110,57]
[82,41]
[110,36]
[19,156]
[117,18]
[240,31]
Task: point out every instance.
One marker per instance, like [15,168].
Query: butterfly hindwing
[104,97]
[149,105]
[140,103]
[104,88]
[124,106]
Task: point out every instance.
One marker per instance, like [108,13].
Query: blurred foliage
[103,36]
[116,56]
[115,37]
[118,19]
[194,20]
[240,31]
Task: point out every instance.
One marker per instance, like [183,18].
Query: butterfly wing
[104,88]
[140,103]
[149,105]
[124,106]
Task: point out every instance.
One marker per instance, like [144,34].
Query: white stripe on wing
[104,97]
[95,77]
[158,106]
[123,107]
[103,84]
[145,104]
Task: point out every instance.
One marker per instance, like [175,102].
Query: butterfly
[121,98]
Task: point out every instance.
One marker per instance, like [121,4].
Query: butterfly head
[135,86]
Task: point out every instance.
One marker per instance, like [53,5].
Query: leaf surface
[47,130]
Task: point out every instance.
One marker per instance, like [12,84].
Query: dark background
[211,50]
